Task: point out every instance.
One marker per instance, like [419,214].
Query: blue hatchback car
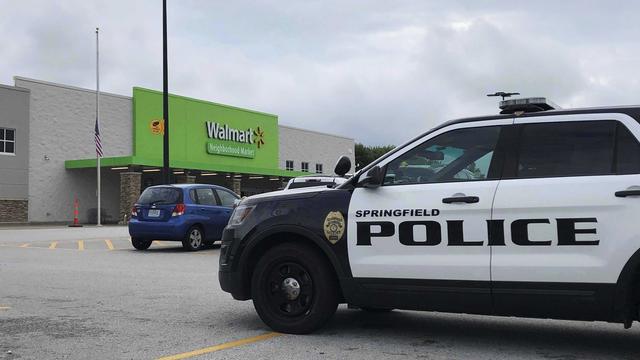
[195,214]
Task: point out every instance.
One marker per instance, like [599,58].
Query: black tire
[140,244]
[193,239]
[317,297]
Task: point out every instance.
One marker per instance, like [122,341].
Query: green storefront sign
[225,149]
[232,142]
[204,135]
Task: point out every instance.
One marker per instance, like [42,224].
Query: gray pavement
[111,302]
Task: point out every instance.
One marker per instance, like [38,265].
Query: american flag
[98,141]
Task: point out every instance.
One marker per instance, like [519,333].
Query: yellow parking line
[5,307]
[25,245]
[53,245]
[81,245]
[109,244]
[160,243]
[224,346]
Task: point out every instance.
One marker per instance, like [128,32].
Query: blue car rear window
[160,195]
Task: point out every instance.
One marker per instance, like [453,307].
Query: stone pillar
[185,179]
[130,184]
[237,186]
[13,211]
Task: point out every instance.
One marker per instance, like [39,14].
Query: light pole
[166,176]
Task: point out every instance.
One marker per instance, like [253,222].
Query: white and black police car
[532,213]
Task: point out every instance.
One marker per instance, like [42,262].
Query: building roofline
[205,102]
[13,87]
[71,87]
[316,132]
[68,87]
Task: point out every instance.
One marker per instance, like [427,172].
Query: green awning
[138,161]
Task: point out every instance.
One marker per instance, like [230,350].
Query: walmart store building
[47,149]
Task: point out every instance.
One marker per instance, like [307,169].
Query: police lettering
[520,228]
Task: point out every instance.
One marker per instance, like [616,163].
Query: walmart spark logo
[259,136]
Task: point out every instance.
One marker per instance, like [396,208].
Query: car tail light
[178,210]
[134,212]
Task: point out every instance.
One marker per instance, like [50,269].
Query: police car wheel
[140,244]
[293,289]
[194,240]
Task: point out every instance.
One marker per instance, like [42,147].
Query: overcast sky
[377,71]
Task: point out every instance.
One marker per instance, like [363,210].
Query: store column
[130,184]
[237,186]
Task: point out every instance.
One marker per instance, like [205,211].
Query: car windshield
[160,195]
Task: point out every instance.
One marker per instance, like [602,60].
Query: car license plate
[154,213]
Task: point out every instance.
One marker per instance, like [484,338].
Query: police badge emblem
[334,226]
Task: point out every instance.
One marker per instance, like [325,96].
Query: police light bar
[527,105]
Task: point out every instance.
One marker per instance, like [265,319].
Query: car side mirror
[372,179]
[342,166]
[237,202]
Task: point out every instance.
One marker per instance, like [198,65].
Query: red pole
[76,205]
[75,212]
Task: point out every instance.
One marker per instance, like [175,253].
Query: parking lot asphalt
[87,294]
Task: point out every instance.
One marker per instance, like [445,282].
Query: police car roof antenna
[504,94]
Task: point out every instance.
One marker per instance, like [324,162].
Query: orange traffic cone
[76,205]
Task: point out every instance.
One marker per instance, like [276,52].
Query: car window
[566,149]
[458,155]
[206,196]
[628,152]
[160,195]
[226,198]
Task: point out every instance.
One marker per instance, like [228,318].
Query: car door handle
[625,193]
[461,199]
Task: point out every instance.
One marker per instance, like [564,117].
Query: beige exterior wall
[14,168]
[61,127]
[314,147]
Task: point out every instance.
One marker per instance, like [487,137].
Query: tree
[366,154]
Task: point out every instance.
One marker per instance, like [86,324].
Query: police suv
[529,213]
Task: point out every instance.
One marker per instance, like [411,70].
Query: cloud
[376,71]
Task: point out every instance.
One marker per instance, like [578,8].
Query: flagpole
[98,119]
